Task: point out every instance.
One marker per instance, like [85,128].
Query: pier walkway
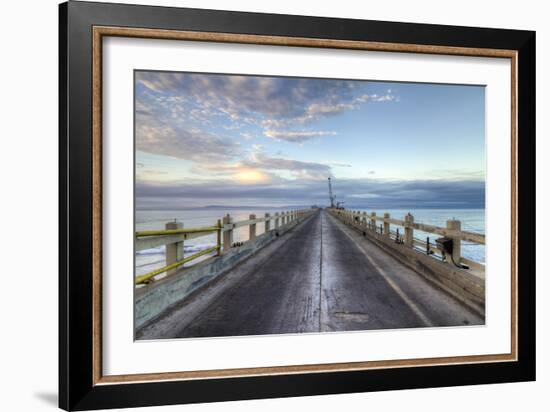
[321,275]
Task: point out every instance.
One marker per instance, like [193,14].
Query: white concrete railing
[364,220]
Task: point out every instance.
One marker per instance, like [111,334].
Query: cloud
[269,103]
[182,143]
[298,136]
[365,195]
[338,164]
[457,174]
[299,169]
[317,109]
[237,96]
[358,193]
[268,166]
[388,97]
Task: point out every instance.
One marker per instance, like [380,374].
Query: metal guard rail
[208,229]
[144,278]
[200,231]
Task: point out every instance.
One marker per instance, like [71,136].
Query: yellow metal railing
[146,233]
[208,229]
[144,278]
[159,237]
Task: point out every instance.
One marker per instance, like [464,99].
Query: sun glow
[251,176]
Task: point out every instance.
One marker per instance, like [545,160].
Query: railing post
[373,220]
[409,231]
[276,220]
[455,226]
[227,234]
[386,225]
[252,228]
[219,238]
[174,251]
[267,223]
[364,219]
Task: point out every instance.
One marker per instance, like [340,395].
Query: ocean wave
[150,257]
[150,263]
[154,251]
[161,250]
[197,248]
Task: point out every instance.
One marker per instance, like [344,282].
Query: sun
[250,176]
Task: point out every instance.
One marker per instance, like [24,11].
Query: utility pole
[331,197]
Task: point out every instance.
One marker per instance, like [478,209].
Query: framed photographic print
[259,205]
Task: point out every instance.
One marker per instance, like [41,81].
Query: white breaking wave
[155,251]
[150,257]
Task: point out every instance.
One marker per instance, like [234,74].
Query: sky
[255,141]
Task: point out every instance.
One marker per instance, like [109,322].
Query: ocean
[473,220]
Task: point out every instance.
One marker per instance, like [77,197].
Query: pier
[312,270]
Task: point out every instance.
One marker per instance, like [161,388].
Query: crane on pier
[330,195]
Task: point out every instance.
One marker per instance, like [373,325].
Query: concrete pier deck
[321,276]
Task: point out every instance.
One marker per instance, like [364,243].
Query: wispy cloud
[457,174]
[296,136]
[297,168]
[171,140]
[338,164]
[266,168]
[277,106]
